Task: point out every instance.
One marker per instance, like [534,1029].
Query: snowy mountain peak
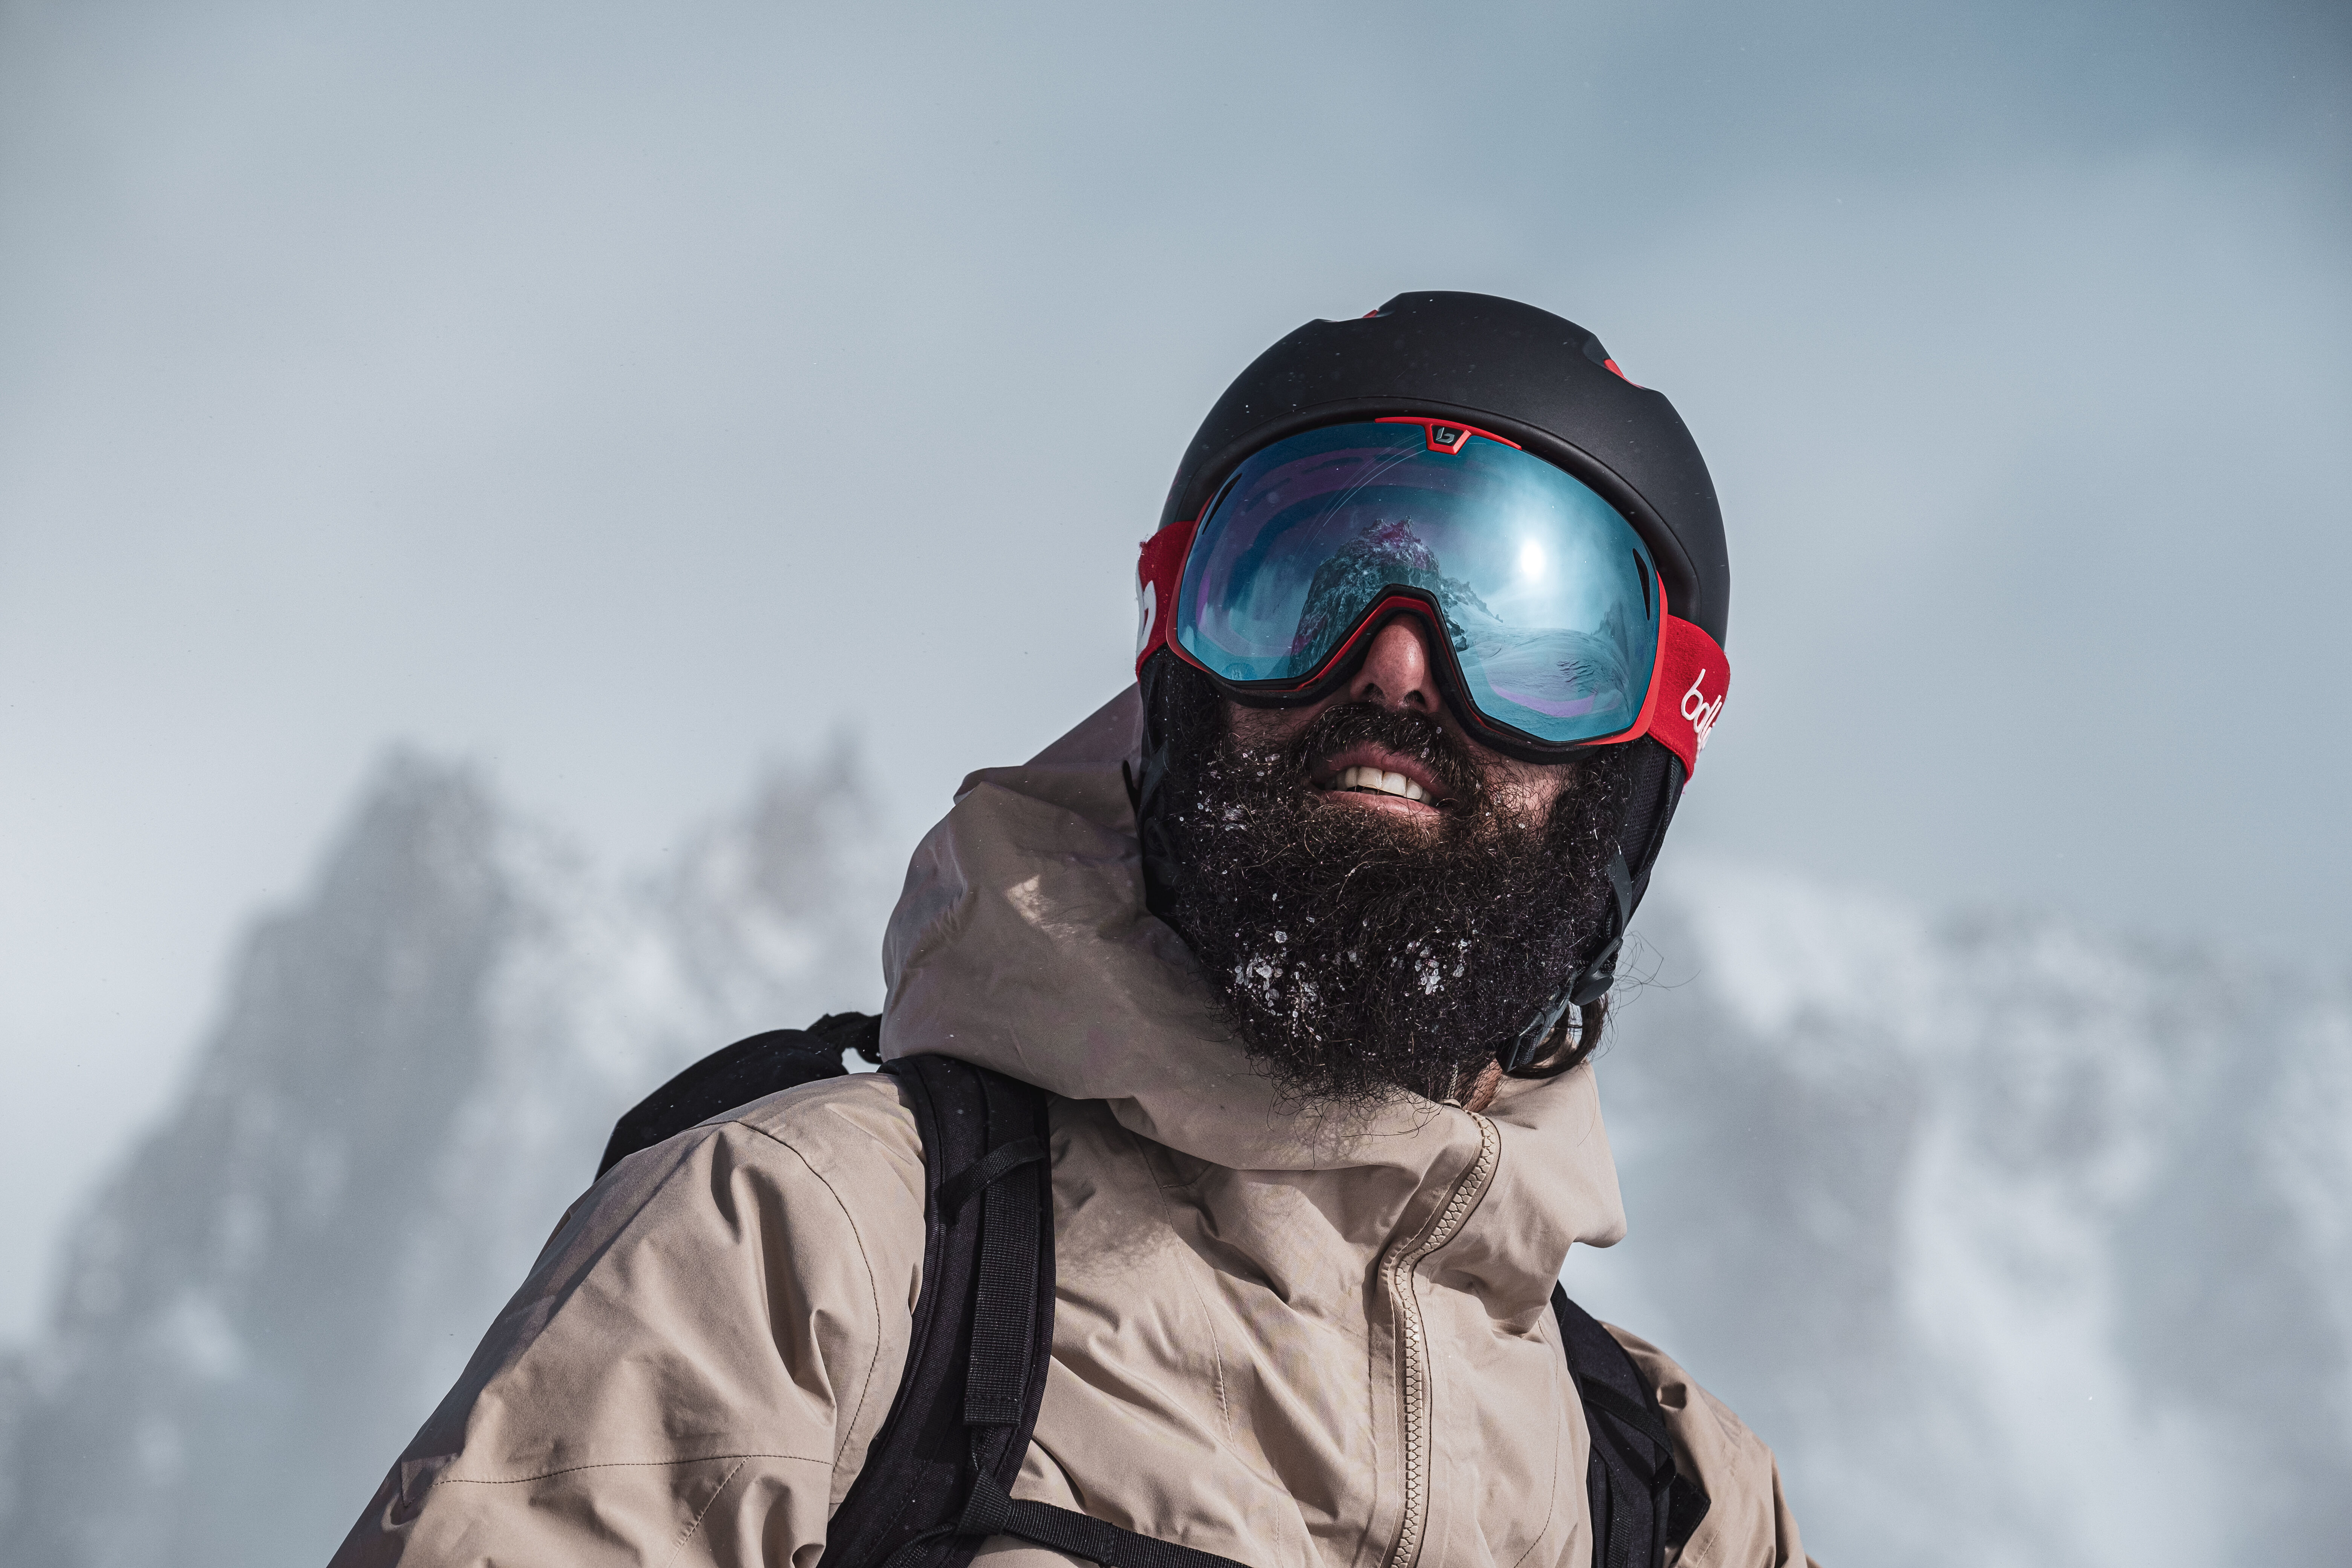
[413,1071]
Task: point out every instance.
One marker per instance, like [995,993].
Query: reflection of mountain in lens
[1384,555]
[1555,671]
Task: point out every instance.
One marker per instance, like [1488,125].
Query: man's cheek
[1265,729]
[1529,786]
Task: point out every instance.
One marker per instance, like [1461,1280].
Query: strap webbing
[1642,1419]
[993,1511]
[996,1388]
[982,1170]
[1591,982]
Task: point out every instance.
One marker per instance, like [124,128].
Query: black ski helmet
[1546,384]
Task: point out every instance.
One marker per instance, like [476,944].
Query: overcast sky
[624,395]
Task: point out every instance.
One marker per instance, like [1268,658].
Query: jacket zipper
[1396,1276]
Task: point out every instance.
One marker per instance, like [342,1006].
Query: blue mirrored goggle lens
[1547,595]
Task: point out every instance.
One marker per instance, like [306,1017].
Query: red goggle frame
[1689,681]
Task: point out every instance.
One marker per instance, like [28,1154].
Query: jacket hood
[1327,1353]
[1020,943]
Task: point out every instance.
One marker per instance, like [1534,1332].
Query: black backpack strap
[1640,1504]
[994,1511]
[745,1071]
[987,1265]
[938,1481]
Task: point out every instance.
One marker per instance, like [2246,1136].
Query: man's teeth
[1387,784]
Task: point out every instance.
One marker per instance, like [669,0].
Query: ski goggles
[1552,632]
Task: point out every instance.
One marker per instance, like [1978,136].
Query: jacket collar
[1021,943]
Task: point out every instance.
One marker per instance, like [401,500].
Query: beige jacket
[1293,1350]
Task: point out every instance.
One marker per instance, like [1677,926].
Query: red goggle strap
[1156,577]
[1686,693]
[1687,690]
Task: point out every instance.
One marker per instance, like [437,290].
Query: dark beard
[1354,955]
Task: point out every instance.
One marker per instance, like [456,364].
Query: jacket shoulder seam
[694,1527]
[873,1291]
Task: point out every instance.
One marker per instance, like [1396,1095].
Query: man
[1309,936]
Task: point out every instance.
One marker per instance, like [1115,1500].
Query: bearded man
[1299,950]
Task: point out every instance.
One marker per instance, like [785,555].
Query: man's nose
[1396,671]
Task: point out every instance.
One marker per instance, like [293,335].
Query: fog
[629,396]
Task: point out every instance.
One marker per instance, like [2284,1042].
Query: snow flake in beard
[1357,956]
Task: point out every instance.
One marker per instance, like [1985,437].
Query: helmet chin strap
[1590,982]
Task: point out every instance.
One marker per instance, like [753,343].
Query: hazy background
[626,396]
